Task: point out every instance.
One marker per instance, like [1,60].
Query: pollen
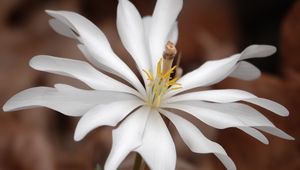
[163,81]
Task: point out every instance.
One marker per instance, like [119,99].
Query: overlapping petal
[209,73]
[196,141]
[246,71]
[131,30]
[127,137]
[257,51]
[80,70]
[236,115]
[95,42]
[104,115]
[255,133]
[214,118]
[172,35]
[220,96]
[212,72]
[157,149]
[163,19]
[65,99]
[231,95]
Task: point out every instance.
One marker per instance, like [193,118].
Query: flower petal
[270,105]
[196,141]
[245,114]
[147,21]
[97,44]
[61,28]
[164,17]
[255,133]
[80,70]
[172,35]
[127,137]
[131,31]
[157,149]
[215,71]
[246,71]
[102,115]
[255,51]
[209,73]
[220,96]
[216,119]
[231,95]
[276,132]
[65,99]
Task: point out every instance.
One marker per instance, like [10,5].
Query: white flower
[139,109]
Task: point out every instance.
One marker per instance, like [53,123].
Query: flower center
[163,81]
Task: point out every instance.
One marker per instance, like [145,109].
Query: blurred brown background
[40,139]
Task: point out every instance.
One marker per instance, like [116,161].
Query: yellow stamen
[149,75]
[168,73]
[163,80]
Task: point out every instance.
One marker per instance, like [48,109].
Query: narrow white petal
[147,21]
[65,99]
[131,30]
[231,95]
[276,132]
[255,133]
[220,96]
[91,59]
[164,17]
[127,137]
[270,105]
[158,149]
[214,118]
[97,44]
[102,115]
[196,141]
[61,28]
[246,71]
[255,51]
[243,113]
[80,70]
[227,161]
[209,73]
[173,34]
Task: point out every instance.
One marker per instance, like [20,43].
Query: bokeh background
[41,139]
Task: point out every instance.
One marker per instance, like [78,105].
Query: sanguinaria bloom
[138,110]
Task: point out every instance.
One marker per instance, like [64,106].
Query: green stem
[137,162]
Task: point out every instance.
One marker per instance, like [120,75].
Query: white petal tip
[6,107]
[79,131]
[49,11]
[77,136]
[283,111]
[254,51]
[34,60]
[266,142]
[39,62]
[285,114]
[9,105]
[288,137]
[77,139]
[266,50]
[269,49]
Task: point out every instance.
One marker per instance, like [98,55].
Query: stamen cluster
[163,81]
